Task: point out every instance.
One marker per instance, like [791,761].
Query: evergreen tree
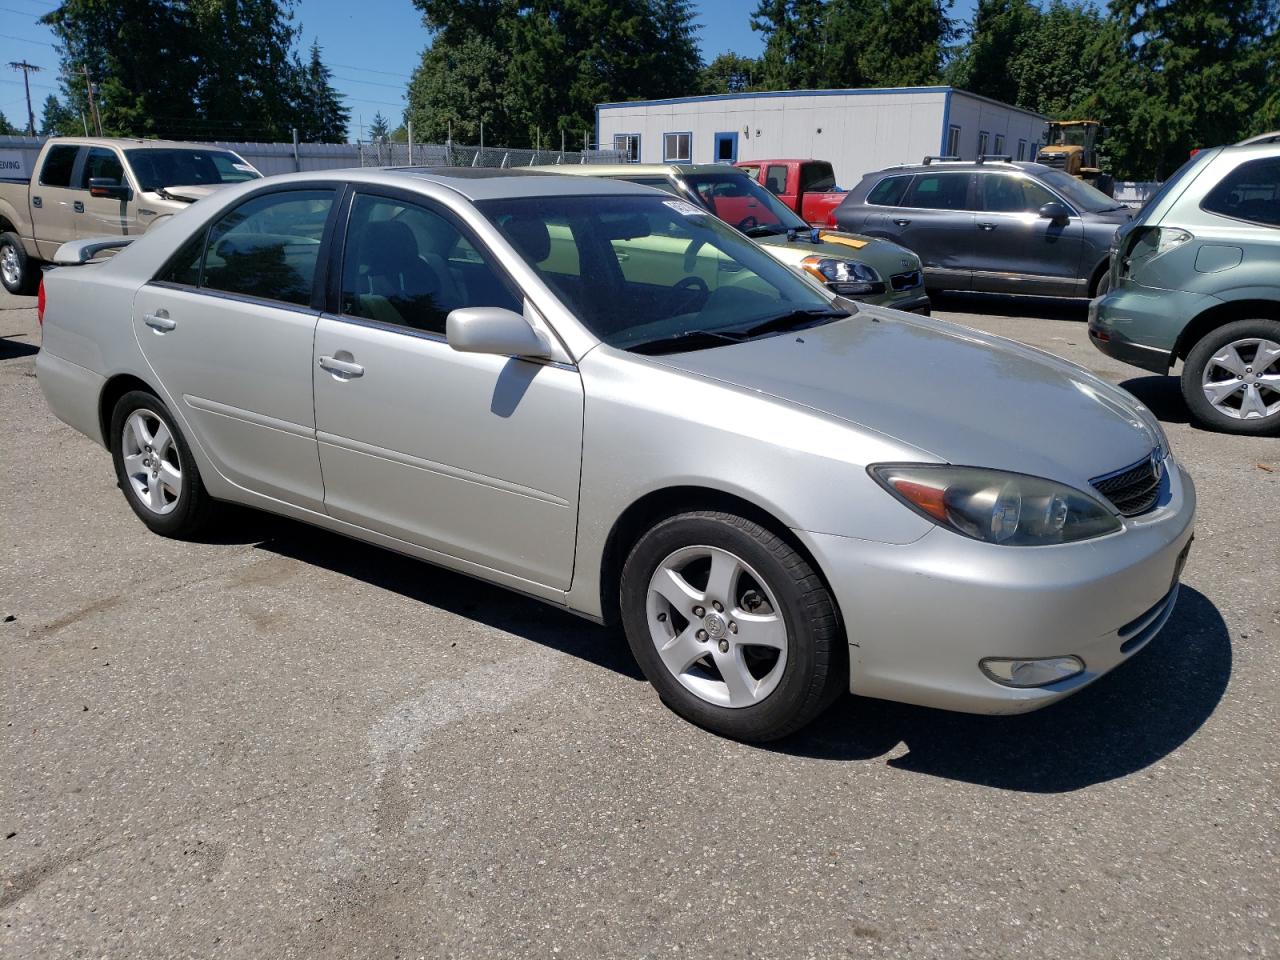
[729,73]
[379,129]
[6,128]
[795,49]
[56,120]
[906,42]
[323,117]
[987,64]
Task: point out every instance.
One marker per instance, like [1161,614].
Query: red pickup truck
[806,186]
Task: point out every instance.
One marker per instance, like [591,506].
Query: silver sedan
[603,397]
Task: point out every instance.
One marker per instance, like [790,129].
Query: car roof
[1006,165]
[639,169]
[134,143]
[476,183]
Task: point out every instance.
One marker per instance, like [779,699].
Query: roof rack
[996,157]
[943,159]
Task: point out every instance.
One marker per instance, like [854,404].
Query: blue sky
[371,46]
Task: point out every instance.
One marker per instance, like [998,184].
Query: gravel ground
[281,743]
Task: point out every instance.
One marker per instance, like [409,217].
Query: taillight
[40,304]
[831,219]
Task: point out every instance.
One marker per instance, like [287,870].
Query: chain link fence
[386,154]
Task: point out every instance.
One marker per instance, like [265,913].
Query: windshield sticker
[684,209]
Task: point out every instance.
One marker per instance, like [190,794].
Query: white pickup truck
[94,187]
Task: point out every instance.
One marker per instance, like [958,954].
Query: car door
[471,455]
[1015,249]
[104,216]
[53,200]
[228,327]
[935,220]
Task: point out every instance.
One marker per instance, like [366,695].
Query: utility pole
[27,69]
[93,105]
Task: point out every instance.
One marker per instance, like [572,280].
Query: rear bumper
[921,616]
[1141,325]
[72,392]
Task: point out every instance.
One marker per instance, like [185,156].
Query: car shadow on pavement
[1163,395]
[1125,721]
[1007,305]
[453,592]
[16,348]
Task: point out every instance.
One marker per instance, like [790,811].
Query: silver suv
[991,225]
[1197,278]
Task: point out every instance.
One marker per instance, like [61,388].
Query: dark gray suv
[991,225]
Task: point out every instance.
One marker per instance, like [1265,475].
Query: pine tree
[322,116]
[57,120]
[6,128]
[379,129]
[729,73]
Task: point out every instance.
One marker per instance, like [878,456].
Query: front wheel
[1231,379]
[155,468]
[18,272]
[732,626]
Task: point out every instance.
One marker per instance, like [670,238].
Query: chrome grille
[905,281]
[1135,489]
[1058,160]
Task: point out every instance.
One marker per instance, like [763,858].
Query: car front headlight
[842,276]
[993,506]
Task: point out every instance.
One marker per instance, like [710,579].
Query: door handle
[37,201]
[159,321]
[902,223]
[78,206]
[986,226]
[342,369]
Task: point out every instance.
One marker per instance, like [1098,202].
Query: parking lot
[282,743]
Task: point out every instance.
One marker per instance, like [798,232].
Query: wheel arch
[658,505]
[115,388]
[1220,315]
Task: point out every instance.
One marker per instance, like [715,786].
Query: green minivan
[1196,277]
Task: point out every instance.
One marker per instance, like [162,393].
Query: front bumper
[921,616]
[1140,325]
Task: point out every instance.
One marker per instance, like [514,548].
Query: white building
[857,130]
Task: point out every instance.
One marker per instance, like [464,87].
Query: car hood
[189,193]
[964,396]
[884,256]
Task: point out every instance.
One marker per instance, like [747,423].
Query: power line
[27,69]
[385,73]
[371,83]
[28,40]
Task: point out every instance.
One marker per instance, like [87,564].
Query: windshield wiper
[763,230]
[688,340]
[794,320]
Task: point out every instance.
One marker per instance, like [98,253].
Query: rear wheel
[18,272]
[155,469]
[732,626]
[1231,379]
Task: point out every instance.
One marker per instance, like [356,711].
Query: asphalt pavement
[282,743]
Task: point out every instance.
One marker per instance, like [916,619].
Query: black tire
[192,507]
[28,279]
[1201,355]
[1104,282]
[815,671]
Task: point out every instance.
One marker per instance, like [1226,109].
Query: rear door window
[58,164]
[939,191]
[268,247]
[889,191]
[1249,192]
[101,163]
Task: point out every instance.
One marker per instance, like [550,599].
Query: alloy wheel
[1242,380]
[717,626]
[10,269]
[151,461]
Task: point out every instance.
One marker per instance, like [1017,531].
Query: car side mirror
[1053,210]
[495,330]
[110,189]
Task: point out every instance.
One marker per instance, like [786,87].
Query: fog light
[1012,672]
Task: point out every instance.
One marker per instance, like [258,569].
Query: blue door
[726,148]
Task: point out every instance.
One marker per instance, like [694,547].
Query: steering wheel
[695,293]
[748,223]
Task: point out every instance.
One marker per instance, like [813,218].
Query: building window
[1022,149]
[953,141]
[1035,152]
[628,144]
[999,144]
[676,147]
[983,139]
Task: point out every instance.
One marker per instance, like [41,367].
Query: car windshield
[1080,194]
[160,168]
[741,202]
[655,274]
